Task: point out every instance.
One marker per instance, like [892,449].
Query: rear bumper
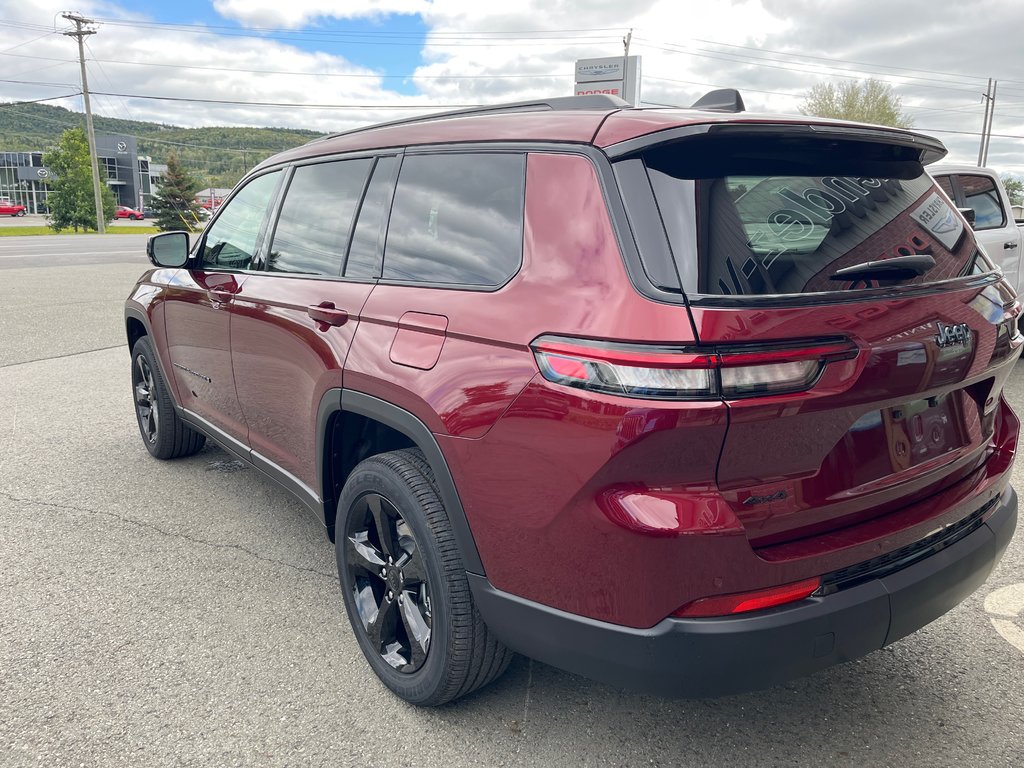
[711,657]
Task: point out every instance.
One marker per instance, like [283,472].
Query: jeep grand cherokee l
[691,401]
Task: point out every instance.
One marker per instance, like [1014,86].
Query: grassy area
[114,230]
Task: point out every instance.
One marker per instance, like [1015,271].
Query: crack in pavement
[59,357]
[168,533]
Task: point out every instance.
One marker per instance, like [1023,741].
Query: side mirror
[168,249]
[969,214]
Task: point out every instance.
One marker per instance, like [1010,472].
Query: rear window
[791,221]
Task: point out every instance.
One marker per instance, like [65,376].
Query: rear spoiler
[927,148]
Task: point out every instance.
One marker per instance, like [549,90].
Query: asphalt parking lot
[187,613]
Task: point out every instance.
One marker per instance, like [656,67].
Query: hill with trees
[217,157]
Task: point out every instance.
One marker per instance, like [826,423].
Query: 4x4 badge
[950,335]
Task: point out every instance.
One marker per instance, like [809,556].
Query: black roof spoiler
[722,100]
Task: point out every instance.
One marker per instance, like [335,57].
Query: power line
[291,105]
[37,82]
[34,39]
[750,61]
[367,76]
[37,101]
[759,49]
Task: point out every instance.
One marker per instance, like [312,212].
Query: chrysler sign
[606,76]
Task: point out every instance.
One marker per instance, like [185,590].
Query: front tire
[163,432]
[20,213]
[405,586]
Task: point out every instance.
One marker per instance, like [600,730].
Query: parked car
[124,212]
[148,212]
[981,191]
[10,208]
[683,400]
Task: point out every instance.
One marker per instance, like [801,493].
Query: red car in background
[124,212]
[7,208]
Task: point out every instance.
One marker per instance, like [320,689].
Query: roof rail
[722,100]
[597,101]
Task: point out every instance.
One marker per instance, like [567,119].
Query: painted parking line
[1005,607]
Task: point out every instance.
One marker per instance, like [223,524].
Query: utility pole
[81,32]
[991,117]
[986,121]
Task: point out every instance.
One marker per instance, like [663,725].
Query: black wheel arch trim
[131,313]
[336,401]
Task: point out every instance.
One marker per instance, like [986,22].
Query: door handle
[326,313]
[220,296]
[1009,246]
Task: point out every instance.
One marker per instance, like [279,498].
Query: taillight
[743,602]
[686,373]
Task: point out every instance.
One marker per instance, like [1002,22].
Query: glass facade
[19,183]
[23,179]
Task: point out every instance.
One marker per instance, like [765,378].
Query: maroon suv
[685,400]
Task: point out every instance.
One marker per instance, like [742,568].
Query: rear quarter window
[457,219]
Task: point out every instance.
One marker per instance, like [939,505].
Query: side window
[980,193]
[363,254]
[457,218]
[232,239]
[316,218]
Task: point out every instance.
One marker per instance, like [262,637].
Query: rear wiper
[896,268]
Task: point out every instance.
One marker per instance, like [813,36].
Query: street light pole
[81,32]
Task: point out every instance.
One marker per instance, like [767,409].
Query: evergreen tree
[70,197]
[175,202]
[869,101]
[1014,188]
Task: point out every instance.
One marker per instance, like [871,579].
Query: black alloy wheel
[404,584]
[390,588]
[146,405]
[163,432]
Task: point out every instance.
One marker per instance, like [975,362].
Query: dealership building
[131,177]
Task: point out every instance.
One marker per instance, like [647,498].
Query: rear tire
[163,432]
[420,599]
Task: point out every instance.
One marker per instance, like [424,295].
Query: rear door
[778,245]
[294,320]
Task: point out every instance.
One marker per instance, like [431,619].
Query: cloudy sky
[332,64]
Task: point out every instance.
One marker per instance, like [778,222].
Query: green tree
[175,202]
[1014,188]
[70,197]
[867,101]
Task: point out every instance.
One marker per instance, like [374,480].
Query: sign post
[613,75]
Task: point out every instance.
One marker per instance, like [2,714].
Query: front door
[197,313]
